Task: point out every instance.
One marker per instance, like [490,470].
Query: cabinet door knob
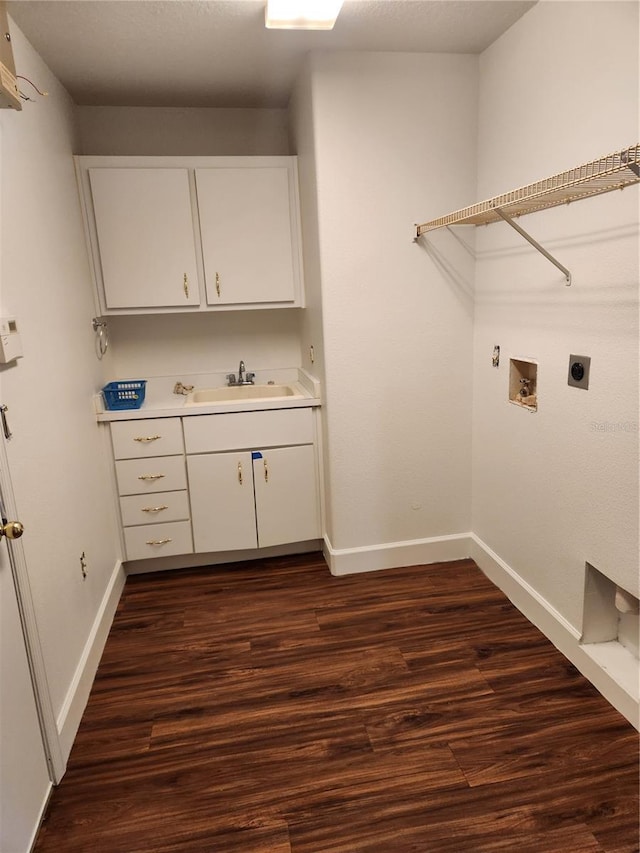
[266,471]
[145,438]
[240,472]
[158,541]
[155,508]
[185,284]
[218,283]
[151,476]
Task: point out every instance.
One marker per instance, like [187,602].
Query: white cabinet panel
[287,507]
[248,234]
[154,509]
[142,476]
[248,430]
[158,540]
[222,501]
[148,437]
[146,237]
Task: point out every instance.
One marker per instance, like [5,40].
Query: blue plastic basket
[124,395]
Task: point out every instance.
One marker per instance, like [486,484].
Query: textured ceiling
[218,52]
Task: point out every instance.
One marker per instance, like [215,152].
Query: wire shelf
[613,172]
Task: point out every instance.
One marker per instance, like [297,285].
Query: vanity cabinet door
[145,236]
[222,501]
[287,507]
[248,225]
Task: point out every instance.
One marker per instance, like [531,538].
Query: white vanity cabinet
[190,234]
[152,487]
[252,479]
[216,482]
[146,254]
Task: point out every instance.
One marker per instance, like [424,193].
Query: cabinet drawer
[162,507]
[142,476]
[246,430]
[147,437]
[158,540]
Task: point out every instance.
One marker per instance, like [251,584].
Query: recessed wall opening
[611,628]
[523,383]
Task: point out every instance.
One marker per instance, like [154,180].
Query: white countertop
[161,402]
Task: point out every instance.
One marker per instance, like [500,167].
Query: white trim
[393,555]
[78,693]
[557,629]
[42,812]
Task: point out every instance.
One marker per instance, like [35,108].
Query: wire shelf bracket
[612,172]
[535,244]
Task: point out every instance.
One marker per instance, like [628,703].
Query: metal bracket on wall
[534,243]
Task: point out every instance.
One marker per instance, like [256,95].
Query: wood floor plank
[267,707]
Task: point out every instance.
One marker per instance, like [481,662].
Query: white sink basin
[233,393]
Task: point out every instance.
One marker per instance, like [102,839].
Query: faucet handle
[250,377]
[231,379]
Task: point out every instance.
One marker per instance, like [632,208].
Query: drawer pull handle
[185,284]
[151,476]
[218,283]
[240,472]
[158,541]
[155,508]
[147,438]
[266,471]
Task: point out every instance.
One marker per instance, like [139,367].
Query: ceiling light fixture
[301,14]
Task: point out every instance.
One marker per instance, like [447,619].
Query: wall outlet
[579,371]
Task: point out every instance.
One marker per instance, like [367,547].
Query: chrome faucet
[243,377]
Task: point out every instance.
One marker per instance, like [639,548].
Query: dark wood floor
[272,708]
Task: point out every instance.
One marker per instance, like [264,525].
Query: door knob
[12,529]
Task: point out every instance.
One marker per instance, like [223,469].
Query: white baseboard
[78,693]
[43,811]
[558,630]
[393,555]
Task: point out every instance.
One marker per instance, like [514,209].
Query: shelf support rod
[534,243]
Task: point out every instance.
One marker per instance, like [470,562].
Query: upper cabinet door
[248,226]
[146,239]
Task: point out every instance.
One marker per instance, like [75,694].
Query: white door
[287,506]
[246,229]
[146,237]
[24,775]
[24,767]
[222,504]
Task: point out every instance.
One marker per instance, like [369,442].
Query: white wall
[302,132]
[189,131]
[390,140]
[58,468]
[169,344]
[557,488]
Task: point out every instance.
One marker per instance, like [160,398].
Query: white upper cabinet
[185,234]
[145,236]
[247,239]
